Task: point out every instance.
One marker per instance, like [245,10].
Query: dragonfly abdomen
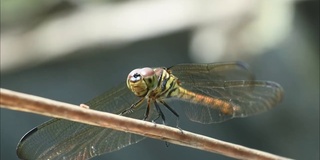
[214,103]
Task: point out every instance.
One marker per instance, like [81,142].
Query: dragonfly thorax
[142,80]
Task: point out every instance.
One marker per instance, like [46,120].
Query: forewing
[62,139]
[211,74]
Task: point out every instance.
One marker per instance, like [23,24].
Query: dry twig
[29,103]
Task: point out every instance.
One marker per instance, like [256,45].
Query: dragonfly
[209,93]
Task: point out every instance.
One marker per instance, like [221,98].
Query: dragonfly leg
[146,114]
[174,112]
[132,107]
[160,113]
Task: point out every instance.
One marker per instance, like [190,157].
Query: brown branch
[29,103]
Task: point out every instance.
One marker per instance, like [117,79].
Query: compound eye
[134,75]
[147,72]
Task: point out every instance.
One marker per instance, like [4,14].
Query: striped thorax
[152,83]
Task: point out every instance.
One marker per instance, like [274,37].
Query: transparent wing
[62,139]
[215,73]
[230,82]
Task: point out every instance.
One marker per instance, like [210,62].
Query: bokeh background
[71,51]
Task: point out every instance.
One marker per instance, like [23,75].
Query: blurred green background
[72,51]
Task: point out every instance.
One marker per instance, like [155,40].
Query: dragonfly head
[142,80]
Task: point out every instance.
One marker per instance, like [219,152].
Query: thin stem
[38,105]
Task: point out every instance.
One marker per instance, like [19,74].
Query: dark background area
[290,130]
